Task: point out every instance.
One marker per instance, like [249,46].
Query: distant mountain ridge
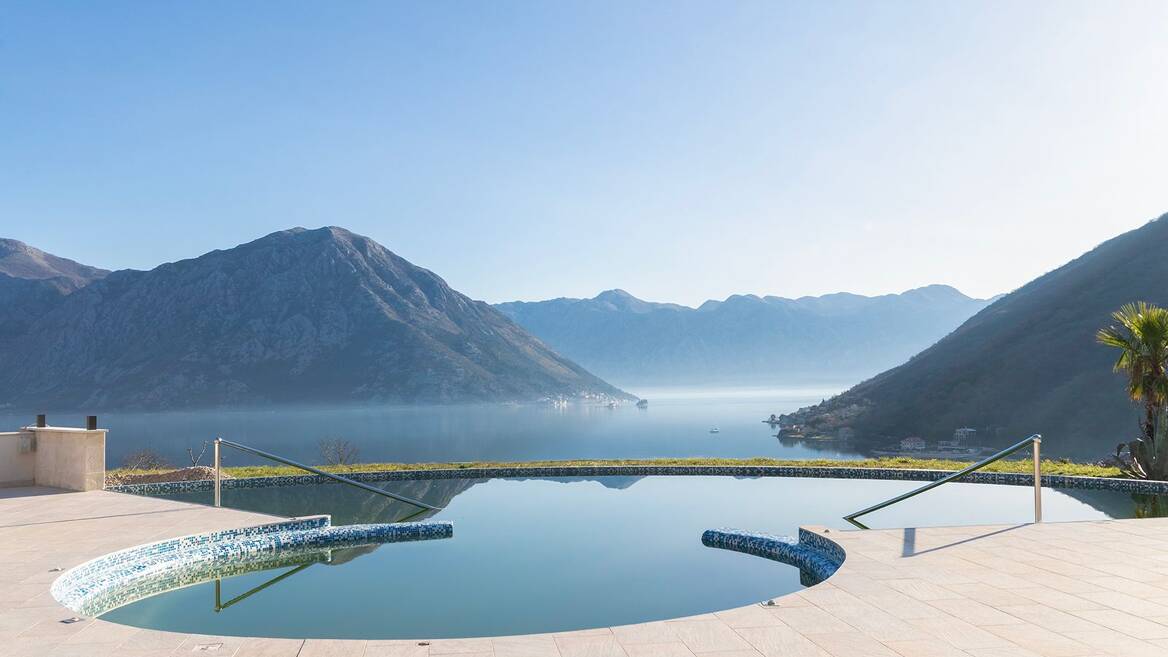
[745,338]
[1027,364]
[298,316]
[19,260]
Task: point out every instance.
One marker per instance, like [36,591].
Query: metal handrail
[220,605]
[1035,440]
[307,468]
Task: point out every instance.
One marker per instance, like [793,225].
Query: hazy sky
[682,151]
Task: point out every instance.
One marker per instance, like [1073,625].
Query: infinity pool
[541,555]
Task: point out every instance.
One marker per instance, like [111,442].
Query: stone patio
[1059,590]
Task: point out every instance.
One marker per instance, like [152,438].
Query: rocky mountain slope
[33,282]
[1027,364]
[744,339]
[298,316]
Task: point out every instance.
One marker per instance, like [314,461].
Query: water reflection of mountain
[345,504]
[1121,505]
[349,506]
[615,482]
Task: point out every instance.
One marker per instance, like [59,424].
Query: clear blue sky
[679,150]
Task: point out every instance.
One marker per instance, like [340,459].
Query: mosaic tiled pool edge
[819,472]
[816,556]
[125,576]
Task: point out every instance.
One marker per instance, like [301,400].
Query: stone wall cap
[64,429]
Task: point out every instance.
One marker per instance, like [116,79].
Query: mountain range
[745,339]
[1027,364]
[298,316]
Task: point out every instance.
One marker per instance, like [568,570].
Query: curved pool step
[816,556]
[128,575]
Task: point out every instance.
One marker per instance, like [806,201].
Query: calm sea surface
[678,422]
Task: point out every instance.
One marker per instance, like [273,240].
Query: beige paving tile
[1130,603]
[902,606]
[851,644]
[1050,618]
[672,649]
[1040,641]
[708,636]
[144,640]
[83,650]
[455,646]
[958,633]
[525,646]
[920,589]
[780,641]
[794,600]
[751,616]
[397,649]
[218,646]
[103,632]
[829,595]
[925,649]
[974,612]
[1114,643]
[55,629]
[1008,651]
[658,632]
[1125,623]
[602,645]
[1054,599]
[811,620]
[332,648]
[270,648]
[27,647]
[874,622]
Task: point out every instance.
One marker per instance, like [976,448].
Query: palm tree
[1142,339]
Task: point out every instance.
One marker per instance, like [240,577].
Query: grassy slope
[1048,467]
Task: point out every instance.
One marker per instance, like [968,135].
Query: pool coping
[819,472]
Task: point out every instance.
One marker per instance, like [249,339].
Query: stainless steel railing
[1035,441]
[306,468]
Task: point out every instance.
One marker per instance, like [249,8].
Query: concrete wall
[61,457]
[73,459]
[17,460]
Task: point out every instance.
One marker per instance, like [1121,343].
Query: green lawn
[1048,467]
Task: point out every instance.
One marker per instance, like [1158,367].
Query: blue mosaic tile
[119,578]
[816,557]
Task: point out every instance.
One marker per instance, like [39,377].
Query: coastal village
[833,427]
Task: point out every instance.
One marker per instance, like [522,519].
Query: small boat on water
[714,430]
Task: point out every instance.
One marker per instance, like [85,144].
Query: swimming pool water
[541,555]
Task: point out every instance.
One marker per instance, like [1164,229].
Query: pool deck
[1079,589]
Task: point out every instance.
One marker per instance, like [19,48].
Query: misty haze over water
[677,423]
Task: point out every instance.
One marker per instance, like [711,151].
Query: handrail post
[1037,480]
[218,474]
